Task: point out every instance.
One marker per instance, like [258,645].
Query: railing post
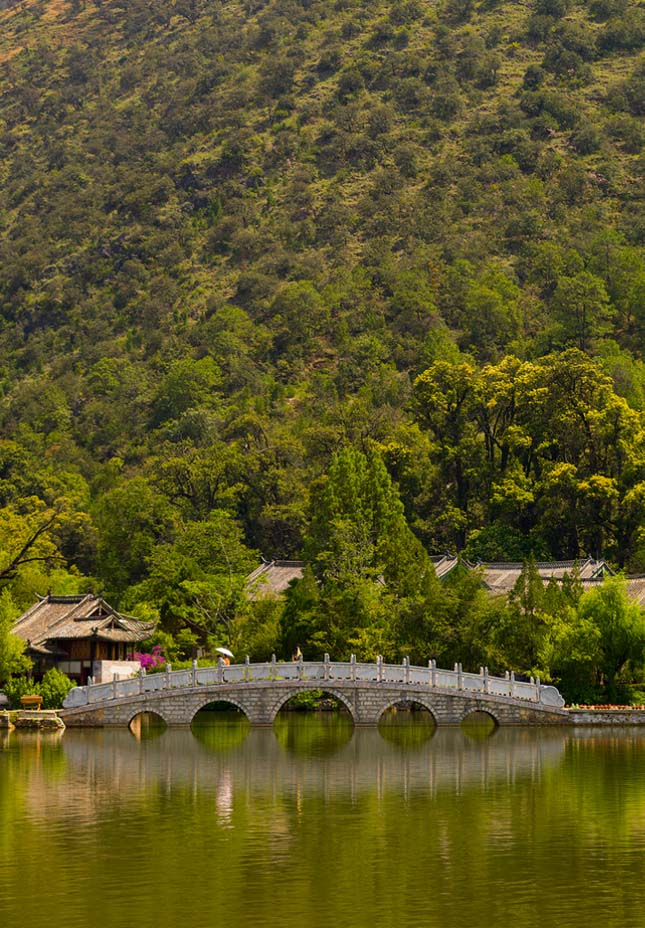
[301,670]
[433,672]
[406,669]
[114,680]
[352,667]
[273,667]
[194,673]
[510,690]
[460,677]
[167,680]
[142,681]
[247,661]
[326,666]
[486,684]
[538,687]
[379,668]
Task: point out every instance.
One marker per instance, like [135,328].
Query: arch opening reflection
[314,722]
[146,726]
[407,723]
[220,725]
[479,725]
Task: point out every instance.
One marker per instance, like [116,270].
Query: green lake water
[315,824]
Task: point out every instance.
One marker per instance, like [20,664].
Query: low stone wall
[606,716]
[43,720]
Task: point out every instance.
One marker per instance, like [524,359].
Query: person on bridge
[297,654]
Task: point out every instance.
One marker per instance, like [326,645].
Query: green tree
[187,384]
[132,518]
[54,688]
[359,527]
[582,305]
[621,628]
[300,619]
[445,402]
[370,566]
[13,660]
[197,580]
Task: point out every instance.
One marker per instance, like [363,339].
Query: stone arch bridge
[366,690]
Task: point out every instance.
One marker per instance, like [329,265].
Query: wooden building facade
[75,633]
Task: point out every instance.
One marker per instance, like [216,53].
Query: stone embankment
[31,720]
[614,716]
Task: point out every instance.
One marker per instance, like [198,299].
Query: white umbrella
[224,651]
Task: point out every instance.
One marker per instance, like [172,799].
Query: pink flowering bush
[150,661]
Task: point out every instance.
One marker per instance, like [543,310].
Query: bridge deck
[366,690]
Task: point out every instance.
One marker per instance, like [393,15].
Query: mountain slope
[232,233]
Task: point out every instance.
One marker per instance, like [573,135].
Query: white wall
[104,671]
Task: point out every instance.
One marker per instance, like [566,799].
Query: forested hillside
[237,237]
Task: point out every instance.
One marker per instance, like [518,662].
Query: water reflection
[219,727]
[319,734]
[323,755]
[147,725]
[479,726]
[407,725]
[301,819]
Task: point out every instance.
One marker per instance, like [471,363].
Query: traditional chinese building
[82,636]
[502,577]
[272,578]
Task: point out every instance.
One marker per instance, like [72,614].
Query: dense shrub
[54,687]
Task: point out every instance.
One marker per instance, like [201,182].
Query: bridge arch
[411,700]
[146,710]
[216,698]
[330,691]
[479,710]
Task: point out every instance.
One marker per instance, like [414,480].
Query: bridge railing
[321,672]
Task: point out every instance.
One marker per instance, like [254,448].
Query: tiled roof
[501,577]
[444,564]
[636,590]
[272,578]
[55,618]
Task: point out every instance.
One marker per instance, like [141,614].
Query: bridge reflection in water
[323,758]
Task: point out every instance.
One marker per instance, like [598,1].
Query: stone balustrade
[319,673]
